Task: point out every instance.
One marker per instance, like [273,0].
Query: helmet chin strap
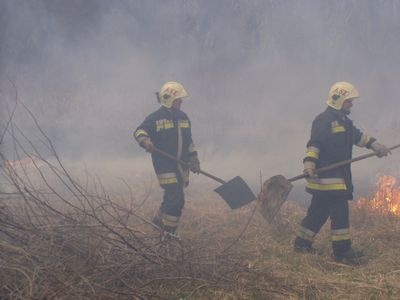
[158,97]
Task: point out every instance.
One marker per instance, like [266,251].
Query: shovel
[235,192]
[275,190]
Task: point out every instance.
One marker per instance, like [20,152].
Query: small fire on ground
[387,197]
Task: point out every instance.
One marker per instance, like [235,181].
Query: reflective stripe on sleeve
[364,140]
[312,152]
[192,148]
[309,164]
[140,132]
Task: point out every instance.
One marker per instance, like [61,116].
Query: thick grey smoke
[257,73]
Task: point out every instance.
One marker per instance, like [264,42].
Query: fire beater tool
[276,189]
[235,192]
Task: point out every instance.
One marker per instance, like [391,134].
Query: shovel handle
[163,153]
[339,164]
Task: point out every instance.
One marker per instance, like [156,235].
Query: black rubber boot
[303,246]
[350,256]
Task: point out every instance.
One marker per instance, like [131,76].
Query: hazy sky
[257,73]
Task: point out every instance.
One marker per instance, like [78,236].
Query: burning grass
[386,200]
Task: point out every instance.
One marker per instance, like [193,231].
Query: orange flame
[387,197]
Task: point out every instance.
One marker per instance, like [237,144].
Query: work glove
[147,144]
[380,150]
[309,169]
[194,164]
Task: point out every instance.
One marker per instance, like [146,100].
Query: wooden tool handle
[339,164]
[186,165]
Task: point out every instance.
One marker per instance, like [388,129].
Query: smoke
[257,73]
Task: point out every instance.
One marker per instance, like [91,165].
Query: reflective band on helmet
[326,184]
[340,234]
[167,178]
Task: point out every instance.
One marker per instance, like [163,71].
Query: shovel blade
[236,192]
[274,193]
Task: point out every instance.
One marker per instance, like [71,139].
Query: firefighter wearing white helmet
[332,138]
[169,129]
[339,93]
[169,92]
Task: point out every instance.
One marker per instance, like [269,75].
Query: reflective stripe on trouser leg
[306,234]
[166,179]
[317,214]
[340,241]
[340,232]
[340,235]
[167,222]
[173,200]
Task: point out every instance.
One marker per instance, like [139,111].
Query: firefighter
[169,129]
[332,138]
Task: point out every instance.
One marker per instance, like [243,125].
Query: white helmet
[169,92]
[340,92]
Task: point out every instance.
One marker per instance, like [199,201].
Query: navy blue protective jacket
[170,131]
[333,136]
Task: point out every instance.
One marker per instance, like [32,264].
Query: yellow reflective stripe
[184,124]
[309,165]
[164,124]
[326,187]
[140,132]
[306,234]
[312,152]
[169,125]
[167,178]
[169,220]
[192,148]
[337,129]
[340,231]
[364,140]
[326,184]
[186,176]
[340,234]
[337,238]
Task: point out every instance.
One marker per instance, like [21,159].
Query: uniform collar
[338,113]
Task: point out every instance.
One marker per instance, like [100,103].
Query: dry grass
[109,250]
[61,239]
